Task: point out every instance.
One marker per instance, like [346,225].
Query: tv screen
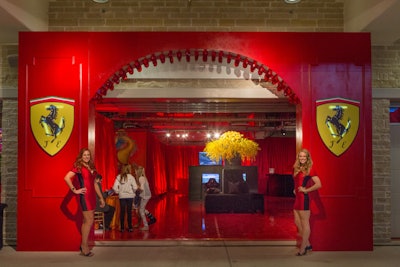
[205,160]
[205,177]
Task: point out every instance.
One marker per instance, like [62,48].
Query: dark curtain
[105,151]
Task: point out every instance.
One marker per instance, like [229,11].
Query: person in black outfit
[107,210]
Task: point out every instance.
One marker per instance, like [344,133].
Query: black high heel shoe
[89,254]
[308,248]
[301,253]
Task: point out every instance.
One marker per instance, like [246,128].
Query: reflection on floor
[181,219]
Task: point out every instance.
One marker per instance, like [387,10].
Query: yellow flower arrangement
[230,145]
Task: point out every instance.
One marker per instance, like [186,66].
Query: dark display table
[280,185]
[234,203]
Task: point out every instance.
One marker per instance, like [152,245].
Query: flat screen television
[206,161]
[205,177]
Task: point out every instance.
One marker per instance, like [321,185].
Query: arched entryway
[200,93]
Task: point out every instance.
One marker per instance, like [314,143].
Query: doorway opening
[181,97]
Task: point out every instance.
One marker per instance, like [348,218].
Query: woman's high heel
[301,253]
[308,248]
[89,254]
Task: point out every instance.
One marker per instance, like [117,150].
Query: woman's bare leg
[306,230]
[297,222]
[88,217]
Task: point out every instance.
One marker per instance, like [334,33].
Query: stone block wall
[194,15]
[381,171]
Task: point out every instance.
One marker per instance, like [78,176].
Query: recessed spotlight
[292,1]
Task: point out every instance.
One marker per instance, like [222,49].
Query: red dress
[86,179]
[302,201]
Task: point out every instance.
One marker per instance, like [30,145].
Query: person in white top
[125,186]
[145,195]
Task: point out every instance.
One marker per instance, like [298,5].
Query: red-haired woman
[85,171]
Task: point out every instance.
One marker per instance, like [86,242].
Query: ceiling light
[100,1]
[292,1]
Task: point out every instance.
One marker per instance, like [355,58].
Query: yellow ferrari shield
[337,121]
[52,121]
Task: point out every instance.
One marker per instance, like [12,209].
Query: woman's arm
[68,180]
[99,194]
[116,185]
[317,185]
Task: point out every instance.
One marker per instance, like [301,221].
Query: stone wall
[9,168]
[381,171]
[385,66]
[9,159]
[193,15]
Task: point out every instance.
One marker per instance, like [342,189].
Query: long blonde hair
[306,167]
[125,170]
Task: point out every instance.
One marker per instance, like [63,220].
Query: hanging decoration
[213,55]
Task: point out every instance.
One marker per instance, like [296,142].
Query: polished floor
[184,235]
[181,219]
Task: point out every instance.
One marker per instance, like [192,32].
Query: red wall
[75,65]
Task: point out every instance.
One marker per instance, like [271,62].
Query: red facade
[316,66]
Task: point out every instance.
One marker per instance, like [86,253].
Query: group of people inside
[133,192]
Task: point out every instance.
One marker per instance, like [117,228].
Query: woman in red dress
[305,182]
[85,171]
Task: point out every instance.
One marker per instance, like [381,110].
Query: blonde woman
[305,182]
[145,195]
[125,186]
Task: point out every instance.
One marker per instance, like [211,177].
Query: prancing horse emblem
[52,121]
[51,128]
[337,121]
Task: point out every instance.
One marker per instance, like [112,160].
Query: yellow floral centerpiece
[231,145]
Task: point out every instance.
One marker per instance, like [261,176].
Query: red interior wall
[75,65]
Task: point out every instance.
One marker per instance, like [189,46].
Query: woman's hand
[102,203]
[81,191]
[302,189]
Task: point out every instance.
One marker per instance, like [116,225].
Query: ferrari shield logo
[52,121]
[337,122]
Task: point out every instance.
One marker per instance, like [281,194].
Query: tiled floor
[183,253]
